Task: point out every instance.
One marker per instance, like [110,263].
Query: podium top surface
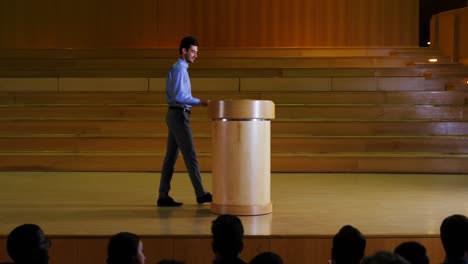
[241,109]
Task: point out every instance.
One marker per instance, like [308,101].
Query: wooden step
[446,71]
[414,51]
[218,52]
[413,71]
[369,128]
[296,112]
[203,128]
[239,85]
[371,112]
[337,110]
[212,63]
[373,144]
[207,52]
[279,144]
[411,163]
[154,98]
[375,97]
[82,57]
[458,85]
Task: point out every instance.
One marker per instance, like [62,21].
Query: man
[27,244]
[180,101]
[228,239]
[384,257]
[125,248]
[414,252]
[454,236]
[348,246]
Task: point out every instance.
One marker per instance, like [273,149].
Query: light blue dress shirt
[178,89]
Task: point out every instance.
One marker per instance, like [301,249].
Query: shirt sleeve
[182,91]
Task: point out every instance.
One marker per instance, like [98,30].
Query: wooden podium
[241,156]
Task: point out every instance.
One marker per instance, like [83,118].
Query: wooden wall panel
[305,23]
[463,37]
[78,24]
[3,251]
[29,84]
[214,22]
[227,23]
[448,34]
[303,250]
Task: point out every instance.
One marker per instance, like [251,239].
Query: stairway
[365,110]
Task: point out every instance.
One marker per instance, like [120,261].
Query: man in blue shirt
[180,101]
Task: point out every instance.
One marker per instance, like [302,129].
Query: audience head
[28,244]
[125,248]
[348,245]
[384,257]
[454,236]
[267,258]
[228,234]
[413,252]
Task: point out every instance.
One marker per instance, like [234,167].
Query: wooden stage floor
[80,210]
[88,203]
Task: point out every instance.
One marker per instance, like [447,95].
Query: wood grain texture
[228,23]
[448,34]
[309,209]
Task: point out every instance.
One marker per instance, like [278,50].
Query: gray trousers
[180,137]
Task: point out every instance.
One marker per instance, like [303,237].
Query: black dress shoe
[206,198]
[168,202]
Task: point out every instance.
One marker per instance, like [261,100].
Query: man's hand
[204,102]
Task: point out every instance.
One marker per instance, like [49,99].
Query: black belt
[179,108]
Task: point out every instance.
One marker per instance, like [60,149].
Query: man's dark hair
[454,236]
[267,258]
[28,244]
[348,245]
[228,234]
[122,248]
[413,252]
[384,257]
[187,42]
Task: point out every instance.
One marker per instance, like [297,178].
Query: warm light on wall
[433,60]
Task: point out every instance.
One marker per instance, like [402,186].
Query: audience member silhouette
[125,248]
[267,258]
[348,246]
[27,244]
[413,252]
[454,236]
[384,257]
[228,239]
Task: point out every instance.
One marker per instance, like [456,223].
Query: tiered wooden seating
[363,110]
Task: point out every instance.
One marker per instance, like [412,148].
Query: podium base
[241,209]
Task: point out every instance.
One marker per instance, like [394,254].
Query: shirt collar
[183,63]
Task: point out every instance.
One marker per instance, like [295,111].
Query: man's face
[191,54]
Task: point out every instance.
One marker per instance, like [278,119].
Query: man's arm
[181,90]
